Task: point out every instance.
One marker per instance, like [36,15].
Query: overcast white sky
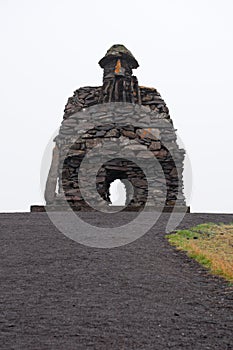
[50,48]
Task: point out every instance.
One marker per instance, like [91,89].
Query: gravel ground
[56,294]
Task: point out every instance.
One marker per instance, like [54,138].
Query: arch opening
[117,193]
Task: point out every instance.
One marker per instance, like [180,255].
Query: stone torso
[88,96]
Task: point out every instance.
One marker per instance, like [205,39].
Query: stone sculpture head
[118,61]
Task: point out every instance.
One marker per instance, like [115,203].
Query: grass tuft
[210,244]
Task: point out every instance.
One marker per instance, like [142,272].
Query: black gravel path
[56,294]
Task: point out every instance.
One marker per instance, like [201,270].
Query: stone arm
[51,183]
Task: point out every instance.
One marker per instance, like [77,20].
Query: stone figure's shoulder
[82,98]
[147,89]
[151,97]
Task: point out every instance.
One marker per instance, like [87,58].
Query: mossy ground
[210,244]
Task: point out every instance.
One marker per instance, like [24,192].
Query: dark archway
[131,176]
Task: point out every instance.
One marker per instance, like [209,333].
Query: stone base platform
[165,209]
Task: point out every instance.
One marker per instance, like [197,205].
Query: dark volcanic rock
[56,294]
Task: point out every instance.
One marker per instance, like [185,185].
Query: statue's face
[119,69]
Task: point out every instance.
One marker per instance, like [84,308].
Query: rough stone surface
[140,116]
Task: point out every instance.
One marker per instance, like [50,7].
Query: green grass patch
[210,244]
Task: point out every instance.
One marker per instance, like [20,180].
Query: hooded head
[118,61]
